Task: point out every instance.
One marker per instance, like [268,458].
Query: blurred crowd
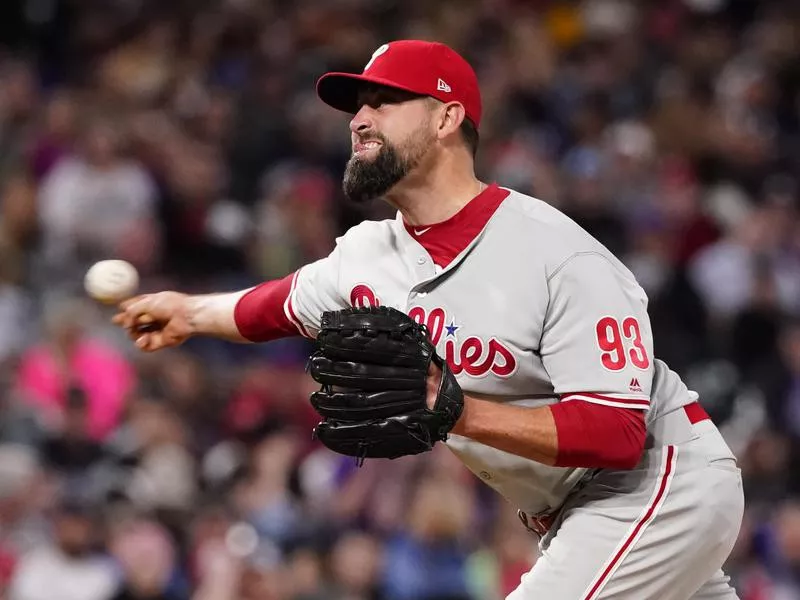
[186,137]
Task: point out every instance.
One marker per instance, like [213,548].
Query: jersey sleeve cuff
[290,310]
[639,401]
[261,314]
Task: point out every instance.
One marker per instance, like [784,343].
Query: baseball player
[536,364]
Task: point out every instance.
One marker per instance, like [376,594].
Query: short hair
[469,133]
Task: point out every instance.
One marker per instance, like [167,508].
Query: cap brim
[340,90]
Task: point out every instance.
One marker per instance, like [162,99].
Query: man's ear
[451,115]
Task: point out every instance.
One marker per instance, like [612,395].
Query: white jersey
[532,311]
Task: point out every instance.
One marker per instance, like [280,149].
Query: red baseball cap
[425,68]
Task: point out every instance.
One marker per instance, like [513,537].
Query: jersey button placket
[425,266]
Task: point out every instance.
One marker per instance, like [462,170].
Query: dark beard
[365,180]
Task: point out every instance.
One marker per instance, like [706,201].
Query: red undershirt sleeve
[596,436]
[260,314]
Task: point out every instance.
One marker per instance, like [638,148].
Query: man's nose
[362,120]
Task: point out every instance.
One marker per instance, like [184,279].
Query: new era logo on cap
[443,87]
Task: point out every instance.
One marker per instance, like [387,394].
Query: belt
[538,525]
[541,524]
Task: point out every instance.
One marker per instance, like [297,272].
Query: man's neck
[436,195]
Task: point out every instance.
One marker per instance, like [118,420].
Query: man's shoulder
[553,234]
[368,233]
[535,212]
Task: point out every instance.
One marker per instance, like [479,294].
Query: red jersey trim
[594,436]
[259,314]
[445,240]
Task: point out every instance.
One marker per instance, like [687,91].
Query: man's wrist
[461,426]
[213,315]
[192,309]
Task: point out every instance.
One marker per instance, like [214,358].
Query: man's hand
[168,319]
[157,321]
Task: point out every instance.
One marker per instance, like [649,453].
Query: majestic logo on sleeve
[472,355]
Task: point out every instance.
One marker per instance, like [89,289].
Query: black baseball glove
[373,367]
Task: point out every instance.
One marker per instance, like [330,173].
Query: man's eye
[379,101]
[385,100]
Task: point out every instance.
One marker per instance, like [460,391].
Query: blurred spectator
[264,496]
[496,569]
[747,574]
[630,146]
[428,562]
[19,422]
[18,225]
[755,329]
[191,392]
[17,231]
[17,106]
[140,69]
[70,358]
[296,216]
[239,567]
[96,204]
[690,229]
[69,565]
[57,137]
[356,562]
[70,453]
[164,477]
[305,571]
[148,559]
[778,544]
[272,392]
[23,526]
[724,272]
[779,382]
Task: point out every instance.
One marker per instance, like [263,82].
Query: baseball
[111,281]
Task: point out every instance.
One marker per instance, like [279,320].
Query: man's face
[74,534]
[391,135]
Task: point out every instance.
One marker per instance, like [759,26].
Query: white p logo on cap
[376,54]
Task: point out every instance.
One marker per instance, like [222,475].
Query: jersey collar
[444,241]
